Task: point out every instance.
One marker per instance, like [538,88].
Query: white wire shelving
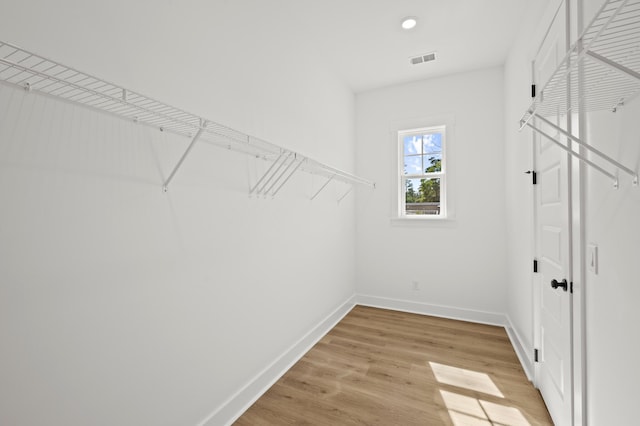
[35,73]
[601,71]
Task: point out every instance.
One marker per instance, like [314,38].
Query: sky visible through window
[421,152]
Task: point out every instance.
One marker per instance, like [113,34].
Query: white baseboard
[491,318]
[524,355]
[238,403]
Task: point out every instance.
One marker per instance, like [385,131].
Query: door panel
[555,365]
[554,310]
[553,374]
[551,237]
[550,179]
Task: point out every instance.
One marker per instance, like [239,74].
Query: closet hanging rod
[599,153]
[575,154]
[35,73]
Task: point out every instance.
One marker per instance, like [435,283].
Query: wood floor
[381,367]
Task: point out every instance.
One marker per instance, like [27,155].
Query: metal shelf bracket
[203,125]
[288,172]
[278,174]
[345,194]
[613,65]
[322,187]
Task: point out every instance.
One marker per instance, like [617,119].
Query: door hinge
[534,176]
[535,265]
[533,90]
[535,355]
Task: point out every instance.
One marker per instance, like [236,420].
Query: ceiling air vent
[423,58]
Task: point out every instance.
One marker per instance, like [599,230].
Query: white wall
[613,348]
[459,263]
[123,305]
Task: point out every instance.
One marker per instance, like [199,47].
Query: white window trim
[447,206]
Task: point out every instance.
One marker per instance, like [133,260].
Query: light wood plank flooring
[381,367]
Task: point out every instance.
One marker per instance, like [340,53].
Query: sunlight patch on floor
[460,377]
[468,411]
[502,414]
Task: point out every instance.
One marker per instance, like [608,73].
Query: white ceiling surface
[359,41]
[364,42]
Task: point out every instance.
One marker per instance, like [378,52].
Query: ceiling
[358,41]
[365,44]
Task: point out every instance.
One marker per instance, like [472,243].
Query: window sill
[442,222]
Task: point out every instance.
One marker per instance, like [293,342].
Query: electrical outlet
[415,286]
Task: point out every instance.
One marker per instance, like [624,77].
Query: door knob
[563,284]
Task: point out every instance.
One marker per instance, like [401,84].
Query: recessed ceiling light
[409,22]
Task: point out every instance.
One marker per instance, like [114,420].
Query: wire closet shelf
[36,73]
[601,71]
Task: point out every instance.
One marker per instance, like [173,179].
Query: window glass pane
[413,165]
[422,197]
[412,145]
[412,187]
[432,143]
[432,163]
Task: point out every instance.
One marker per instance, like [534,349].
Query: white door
[553,298]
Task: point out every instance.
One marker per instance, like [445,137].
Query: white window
[422,173]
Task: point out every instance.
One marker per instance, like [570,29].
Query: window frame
[402,178]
